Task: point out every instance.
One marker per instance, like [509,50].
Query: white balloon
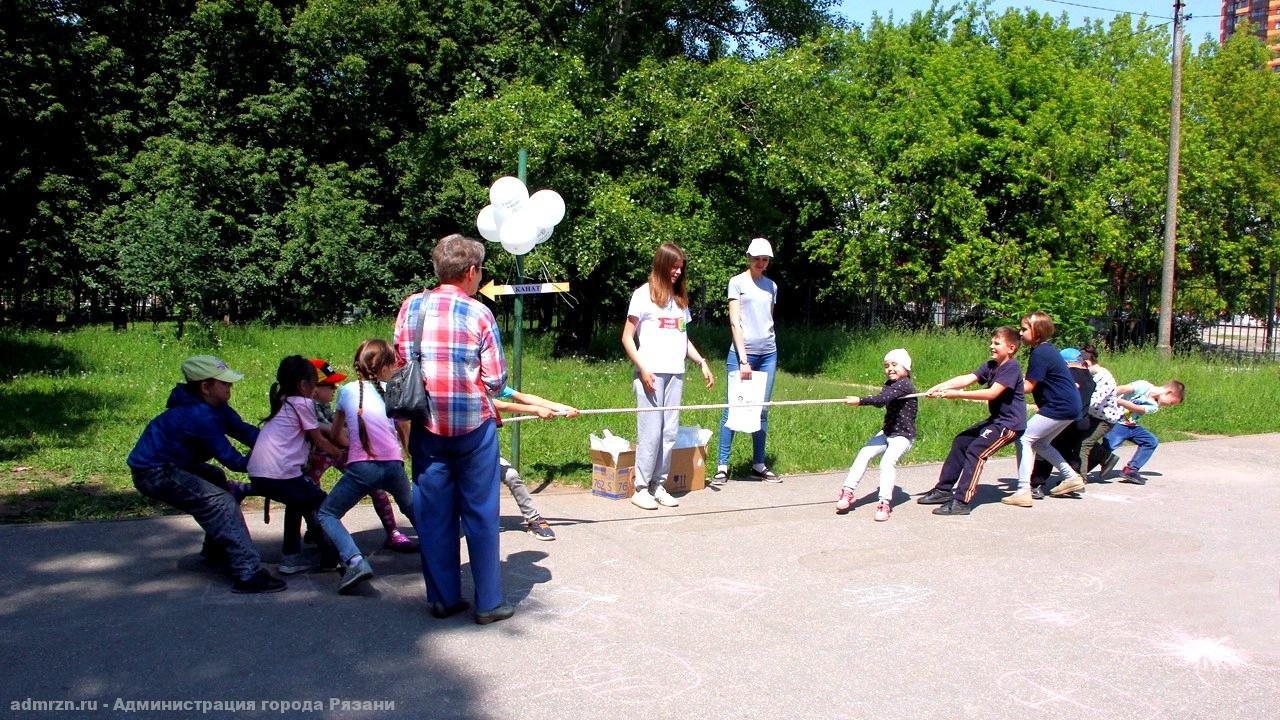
[487,224]
[503,213]
[518,248]
[518,231]
[542,234]
[508,192]
[549,206]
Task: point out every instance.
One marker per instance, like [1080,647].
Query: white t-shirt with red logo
[660,332]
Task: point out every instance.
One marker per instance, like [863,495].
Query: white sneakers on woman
[646,500]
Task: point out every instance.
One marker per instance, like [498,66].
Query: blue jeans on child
[360,479]
[767,363]
[1140,436]
[195,491]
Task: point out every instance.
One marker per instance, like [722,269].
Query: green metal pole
[517,344]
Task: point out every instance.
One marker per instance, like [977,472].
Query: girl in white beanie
[894,439]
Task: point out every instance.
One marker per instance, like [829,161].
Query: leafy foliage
[284,160]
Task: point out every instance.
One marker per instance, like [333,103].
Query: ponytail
[293,371]
[372,357]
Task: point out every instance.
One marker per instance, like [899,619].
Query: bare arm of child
[322,443]
[507,406]
[531,399]
[955,383]
[990,393]
[338,430]
[1133,408]
[402,432]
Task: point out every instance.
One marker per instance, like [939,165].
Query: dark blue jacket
[191,432]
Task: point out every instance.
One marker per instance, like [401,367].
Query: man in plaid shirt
[455,448]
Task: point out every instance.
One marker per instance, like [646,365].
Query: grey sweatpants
[656,431]
[515,484]
[1036,440]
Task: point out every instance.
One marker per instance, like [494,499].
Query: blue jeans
[360,479]
[1140,436]
[456,481]
[213,507]
[763,363]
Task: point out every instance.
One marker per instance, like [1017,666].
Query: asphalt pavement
[751,601]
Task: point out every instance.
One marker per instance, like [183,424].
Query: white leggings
[893,447]
[1035,441]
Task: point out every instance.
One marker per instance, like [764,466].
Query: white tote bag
[745,397]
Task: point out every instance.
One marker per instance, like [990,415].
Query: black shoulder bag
[406,392]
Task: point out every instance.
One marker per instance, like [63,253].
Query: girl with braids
[276,465]
[326,386]
[374,458]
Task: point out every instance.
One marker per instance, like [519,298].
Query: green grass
[72,404]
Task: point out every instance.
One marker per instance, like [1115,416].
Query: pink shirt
[282,446]
[384,444]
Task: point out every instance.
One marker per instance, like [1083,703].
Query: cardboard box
[614,480]
[688,470]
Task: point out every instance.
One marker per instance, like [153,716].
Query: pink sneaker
[845,502]
[400,542]
[883,511]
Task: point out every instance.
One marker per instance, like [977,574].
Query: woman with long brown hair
[656,339]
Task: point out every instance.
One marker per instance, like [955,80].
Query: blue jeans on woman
[360,479]
[456,481]
[767,363]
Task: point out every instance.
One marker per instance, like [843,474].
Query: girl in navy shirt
[1058,405]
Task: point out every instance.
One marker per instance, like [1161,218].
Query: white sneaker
[664,498]
[643,500]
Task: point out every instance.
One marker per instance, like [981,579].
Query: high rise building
[1264,15]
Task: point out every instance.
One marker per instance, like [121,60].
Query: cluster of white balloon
[515,218]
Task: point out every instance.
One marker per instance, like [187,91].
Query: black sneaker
[260,582]
[1037,492]
[1108,465]
[442,611]
[502,612]
[935,497]
[954,507]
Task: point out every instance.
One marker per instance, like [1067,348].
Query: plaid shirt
[462,357]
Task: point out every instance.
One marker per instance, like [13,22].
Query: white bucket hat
[760,247]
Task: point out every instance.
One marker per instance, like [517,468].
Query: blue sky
[1205,13]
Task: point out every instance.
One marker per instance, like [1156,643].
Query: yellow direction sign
[492,291]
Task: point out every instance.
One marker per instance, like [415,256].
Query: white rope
[711,406]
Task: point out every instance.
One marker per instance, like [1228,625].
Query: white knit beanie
[900,356]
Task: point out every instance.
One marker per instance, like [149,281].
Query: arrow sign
[492,291]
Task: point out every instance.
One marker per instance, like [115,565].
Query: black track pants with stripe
[969,452]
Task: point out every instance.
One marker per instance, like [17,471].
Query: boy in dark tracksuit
[170,463]
[1002,377]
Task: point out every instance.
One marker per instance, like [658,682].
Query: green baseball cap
[206,367]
